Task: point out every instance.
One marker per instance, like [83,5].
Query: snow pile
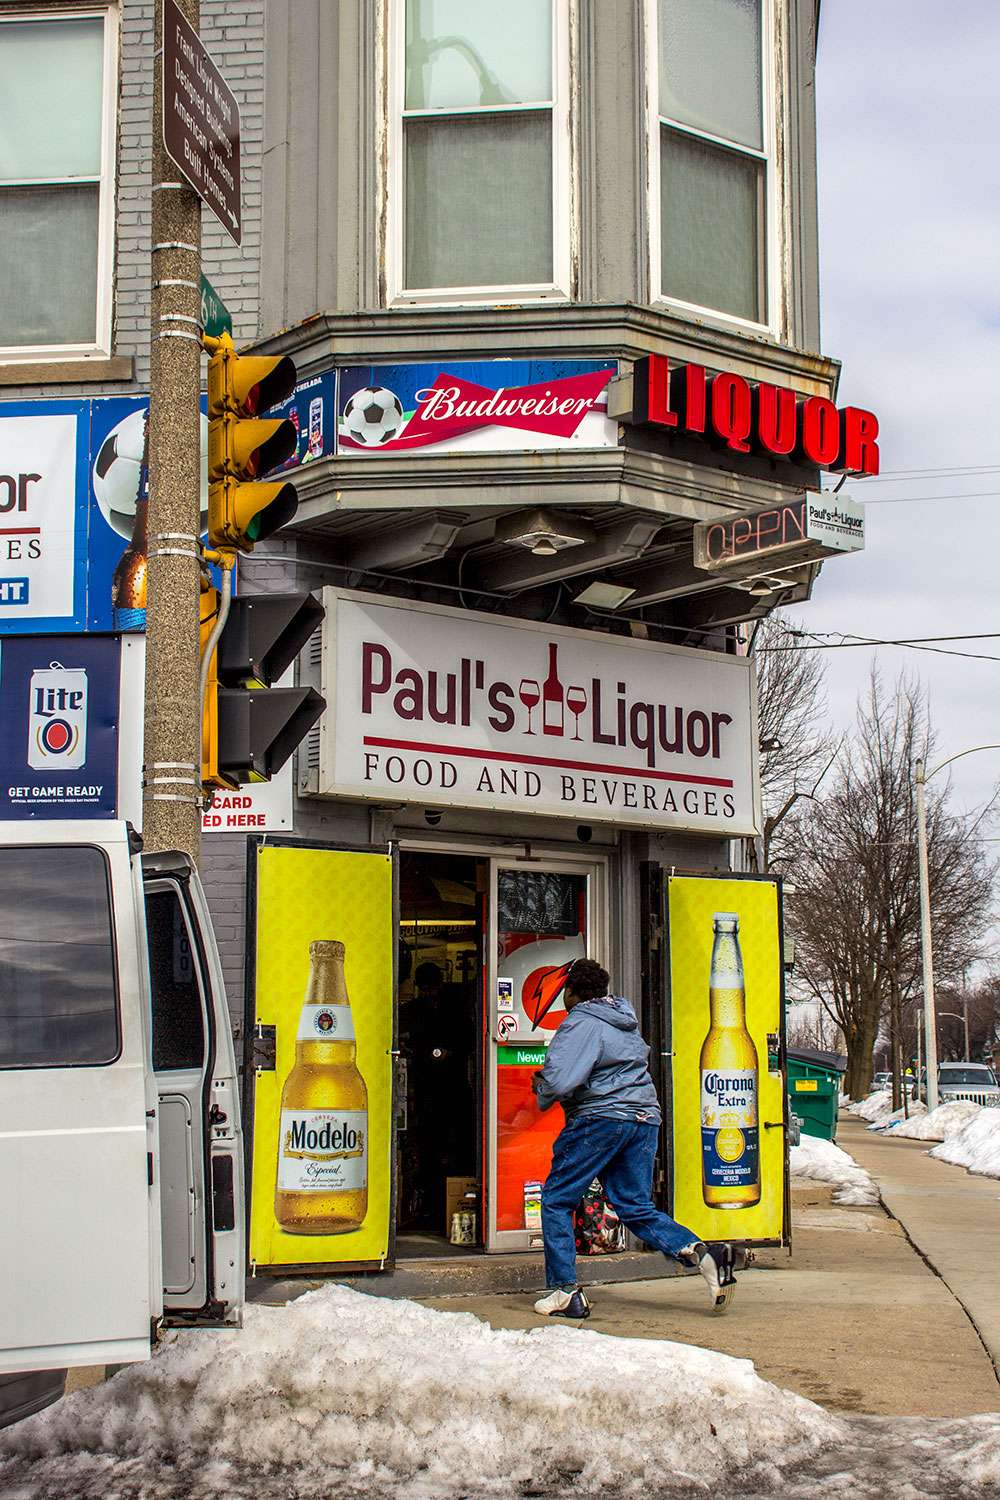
[821,1161]
[344,1395]
[940,1125]
[977,1145]
[877,1106]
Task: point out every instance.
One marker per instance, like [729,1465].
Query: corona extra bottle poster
[322,1117]
[725,1001]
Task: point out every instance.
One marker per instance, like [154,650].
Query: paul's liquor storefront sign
[451,708]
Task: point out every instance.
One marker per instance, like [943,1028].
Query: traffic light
[241,448]
[249,728]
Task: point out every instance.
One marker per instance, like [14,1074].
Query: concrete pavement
[853,1319]
[952,1217]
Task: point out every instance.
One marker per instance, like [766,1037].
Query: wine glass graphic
[529,693]
[576,702]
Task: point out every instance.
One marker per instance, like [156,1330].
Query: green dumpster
[813,1081]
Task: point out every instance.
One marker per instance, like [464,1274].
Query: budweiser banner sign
[449,708]
[493,404]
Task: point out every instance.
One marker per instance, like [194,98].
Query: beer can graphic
[57,718]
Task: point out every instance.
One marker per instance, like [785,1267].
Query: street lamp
[954,1016]
[930,1024]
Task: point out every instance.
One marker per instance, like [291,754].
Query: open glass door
[543,916]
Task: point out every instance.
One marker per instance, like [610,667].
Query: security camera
[431,817]
[585,833]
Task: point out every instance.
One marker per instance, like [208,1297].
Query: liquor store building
[548,275]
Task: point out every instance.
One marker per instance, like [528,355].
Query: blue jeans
[621,1154]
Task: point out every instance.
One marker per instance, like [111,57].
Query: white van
[120,1144]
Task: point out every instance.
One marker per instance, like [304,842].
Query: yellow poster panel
[322,1128]
[725,999]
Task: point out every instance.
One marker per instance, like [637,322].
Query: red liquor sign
[746,416]
[201,120]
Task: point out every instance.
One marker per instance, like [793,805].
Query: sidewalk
[854,1319]
[951,1217]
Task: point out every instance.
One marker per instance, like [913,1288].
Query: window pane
[178,1021]
[710,67]
[460,54]
[58,997]
[479,200]
[710,206]
[50,84]
[48,265]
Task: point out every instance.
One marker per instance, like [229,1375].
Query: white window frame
[101,347]
[563,196]
[770,270]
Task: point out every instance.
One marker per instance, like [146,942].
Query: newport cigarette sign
[201,120]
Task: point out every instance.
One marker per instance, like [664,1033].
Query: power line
[901,476]
[854,642]
[923,499]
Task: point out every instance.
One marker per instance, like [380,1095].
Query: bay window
[479,190]
[711,172]
[58,85]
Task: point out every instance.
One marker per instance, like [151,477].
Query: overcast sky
[910,276]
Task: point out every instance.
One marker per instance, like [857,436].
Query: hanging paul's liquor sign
[744,416]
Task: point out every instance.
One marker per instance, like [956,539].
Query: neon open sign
[809,526]
[753,416]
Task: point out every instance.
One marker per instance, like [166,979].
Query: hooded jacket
[598,1064]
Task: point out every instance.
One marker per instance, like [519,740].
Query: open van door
[198,1105]
[79,1232]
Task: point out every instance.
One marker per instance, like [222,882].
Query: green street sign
[215,315]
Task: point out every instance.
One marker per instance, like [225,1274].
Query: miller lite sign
[57,718]
[60,708]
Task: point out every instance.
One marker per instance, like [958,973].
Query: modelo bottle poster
[725,1001]
[322,1116]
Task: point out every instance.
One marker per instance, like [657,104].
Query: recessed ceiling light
[543,532]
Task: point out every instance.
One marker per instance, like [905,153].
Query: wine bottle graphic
[553,706]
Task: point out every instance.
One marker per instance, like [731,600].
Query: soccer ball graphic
[372,417]
[117,472]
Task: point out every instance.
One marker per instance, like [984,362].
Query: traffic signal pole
[172,724]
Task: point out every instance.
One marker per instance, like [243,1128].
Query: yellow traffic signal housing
[249,728]
[210,707]
[242,448]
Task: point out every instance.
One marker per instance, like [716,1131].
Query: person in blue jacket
[597,1067]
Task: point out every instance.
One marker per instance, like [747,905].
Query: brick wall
[233,32]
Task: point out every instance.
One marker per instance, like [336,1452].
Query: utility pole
[930,1019]
[172,727]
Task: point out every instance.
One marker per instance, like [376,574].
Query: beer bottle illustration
[128,584]
[730,1149]
[322,1181]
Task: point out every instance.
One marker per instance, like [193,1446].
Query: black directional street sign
[201,120]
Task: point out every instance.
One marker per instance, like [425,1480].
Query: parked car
[881,1081]
[968,1080]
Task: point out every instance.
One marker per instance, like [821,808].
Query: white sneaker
[560,1303]
[716,1266]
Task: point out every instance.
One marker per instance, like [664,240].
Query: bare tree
[797,747]
[856,911]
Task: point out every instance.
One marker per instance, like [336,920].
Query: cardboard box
[455,1189]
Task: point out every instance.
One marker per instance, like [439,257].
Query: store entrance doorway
[442,907]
